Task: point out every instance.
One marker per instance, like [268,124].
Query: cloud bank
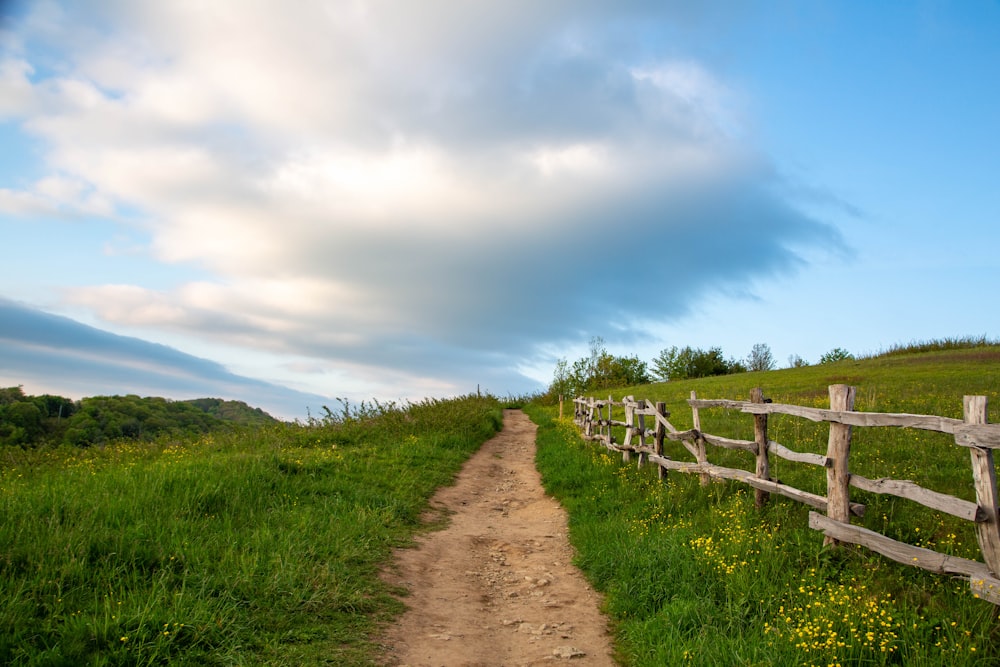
[428,192]
[52,354]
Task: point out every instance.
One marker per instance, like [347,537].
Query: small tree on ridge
[760,358]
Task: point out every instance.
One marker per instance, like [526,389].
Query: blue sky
[399,200]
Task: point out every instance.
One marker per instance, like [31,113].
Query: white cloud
[56,196]
[684,87]
[17,96]
[404,186]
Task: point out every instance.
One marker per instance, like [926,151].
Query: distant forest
[31,421]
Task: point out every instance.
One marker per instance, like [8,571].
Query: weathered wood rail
[972,432]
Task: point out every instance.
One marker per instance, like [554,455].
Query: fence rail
[972,432]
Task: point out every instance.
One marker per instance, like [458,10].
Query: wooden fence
[973,432]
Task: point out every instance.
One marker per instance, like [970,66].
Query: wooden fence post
[643,456]
[660,433]
[700,454]
[760,437]
[589,429]
[838,477]
[984,475]
[560,406]
[600,420]
[611,405]
[629,419]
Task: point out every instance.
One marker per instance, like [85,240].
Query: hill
[29,421]
[925,382]
[237,412]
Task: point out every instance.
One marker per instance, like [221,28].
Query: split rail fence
[833,517]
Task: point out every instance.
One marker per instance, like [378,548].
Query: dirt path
[496,587]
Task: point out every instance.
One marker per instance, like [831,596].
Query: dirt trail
[496,587]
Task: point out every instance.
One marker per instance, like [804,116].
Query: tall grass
[260,547]
[696,575]
[934,345]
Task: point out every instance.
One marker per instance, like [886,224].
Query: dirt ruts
[496,586]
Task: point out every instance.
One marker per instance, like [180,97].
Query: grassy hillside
[250,546]
[696,575]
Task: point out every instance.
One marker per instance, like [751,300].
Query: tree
[10,395]
[633,370]
[562,384]
[836,354]
[597,350]
[21,423]
[665,364]
[760,358]
[795,361]
[662,364]
[599,370]
[736,366]
[612,371]
[706,363]
[680,364]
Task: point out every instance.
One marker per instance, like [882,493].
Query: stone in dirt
[568,652]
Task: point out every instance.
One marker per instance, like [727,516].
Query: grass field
[260,547]
[696,575]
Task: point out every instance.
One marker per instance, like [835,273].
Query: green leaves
[687,363]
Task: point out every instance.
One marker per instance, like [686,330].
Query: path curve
[497,586]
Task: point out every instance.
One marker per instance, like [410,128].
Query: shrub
[836,354]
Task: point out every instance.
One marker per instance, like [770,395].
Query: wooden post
[984,475]
[838,476]
[643,456]
[660,434]
[611,404]
[760,437]
[600,421]
[560,406]
[629,419]
[700,454]
[589,423]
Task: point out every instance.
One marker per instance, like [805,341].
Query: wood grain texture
[963,509]
[838,489]
[849,418]
[984,477]
[898,551]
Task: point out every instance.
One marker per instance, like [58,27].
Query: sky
[291,202]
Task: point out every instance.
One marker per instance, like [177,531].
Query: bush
[836,354]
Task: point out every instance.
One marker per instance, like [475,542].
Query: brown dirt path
[496,586]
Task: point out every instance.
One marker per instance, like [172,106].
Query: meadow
[697,575]
[259,546]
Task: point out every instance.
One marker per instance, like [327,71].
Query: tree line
[602,370]
[29,421]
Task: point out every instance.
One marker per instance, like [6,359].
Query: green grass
[259,547]
[936,344]
[696,575]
